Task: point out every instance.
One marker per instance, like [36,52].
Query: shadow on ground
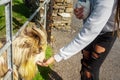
[48,74]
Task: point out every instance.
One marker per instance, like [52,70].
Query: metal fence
[10,38]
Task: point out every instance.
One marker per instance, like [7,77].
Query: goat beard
[27,49]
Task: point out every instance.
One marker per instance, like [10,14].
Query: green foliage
[20,13]
[48,52]
[2,20]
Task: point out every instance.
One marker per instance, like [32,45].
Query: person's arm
[90,30]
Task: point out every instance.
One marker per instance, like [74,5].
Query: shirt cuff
[58,57]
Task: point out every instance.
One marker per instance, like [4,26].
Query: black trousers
[94,55]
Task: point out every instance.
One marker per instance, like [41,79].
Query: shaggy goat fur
[28,47]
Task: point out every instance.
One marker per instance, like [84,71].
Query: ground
[69,69]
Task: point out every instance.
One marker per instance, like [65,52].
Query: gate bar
[8,13]
[3,2]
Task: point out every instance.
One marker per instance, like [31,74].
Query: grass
[20,13]
[2,21]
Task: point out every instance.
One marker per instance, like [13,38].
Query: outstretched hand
[46,63]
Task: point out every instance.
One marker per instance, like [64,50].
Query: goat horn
[41,34]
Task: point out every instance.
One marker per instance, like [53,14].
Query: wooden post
[49,20]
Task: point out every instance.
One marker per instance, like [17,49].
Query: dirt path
[69,69]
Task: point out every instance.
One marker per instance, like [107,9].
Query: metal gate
[10,38]
[8,45]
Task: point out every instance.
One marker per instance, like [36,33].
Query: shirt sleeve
[90,30]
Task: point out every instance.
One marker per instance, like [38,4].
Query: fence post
[49,20]
[8,13]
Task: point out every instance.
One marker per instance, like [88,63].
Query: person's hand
[46,63]
[79,12]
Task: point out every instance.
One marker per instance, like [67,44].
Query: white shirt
[101,19]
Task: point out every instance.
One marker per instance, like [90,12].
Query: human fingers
[50,60]
[43,64]
[46,63]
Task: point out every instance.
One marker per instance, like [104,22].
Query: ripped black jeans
[94,55]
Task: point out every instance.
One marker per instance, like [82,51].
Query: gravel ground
[69,69]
